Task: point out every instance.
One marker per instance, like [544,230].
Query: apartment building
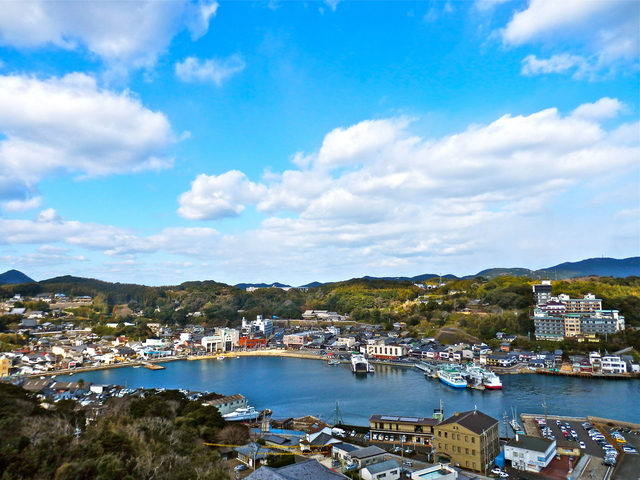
[469,440]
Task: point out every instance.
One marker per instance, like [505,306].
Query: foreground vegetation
[157,437]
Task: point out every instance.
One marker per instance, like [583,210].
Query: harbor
[293,387]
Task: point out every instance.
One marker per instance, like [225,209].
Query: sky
[157,142]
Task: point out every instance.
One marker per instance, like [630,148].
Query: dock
[154,366]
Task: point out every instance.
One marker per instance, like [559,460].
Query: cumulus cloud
[376,190]
[131,33]
[490,194]
[193,69]
[213,197]
[604,32]
[22,205]
[69,125]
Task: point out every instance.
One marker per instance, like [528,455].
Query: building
[387,352]
[366,456]
[548,327]
[387,470]
[613,364]
[588,304]
[437,472]
[469,440]
[529,453]
[251,343]
[309,470]
[5,366]
[416,430]
[542,291]
[228,404]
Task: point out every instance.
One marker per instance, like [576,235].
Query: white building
[529,453]
[387,470]
[258,325]
[613,364]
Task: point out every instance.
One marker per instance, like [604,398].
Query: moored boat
[452,377]
[491,380]
[359,364]
[241,414]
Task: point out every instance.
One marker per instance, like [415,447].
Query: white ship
[491,380]
[452,377]
[241,414]
[359,364]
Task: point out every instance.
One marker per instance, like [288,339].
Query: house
[309,470]
[367,456]
[279,441]
[254,454]
[387,470]
[529,453]
[469,440]
[342,451]
[5,366]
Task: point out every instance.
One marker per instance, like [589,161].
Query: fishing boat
[359,364]
[452,377]
[242,414]
[221,358]
[333,362]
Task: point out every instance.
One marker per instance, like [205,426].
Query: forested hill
[602,267]
[14,277]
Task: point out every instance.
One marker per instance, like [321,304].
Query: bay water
[293,387]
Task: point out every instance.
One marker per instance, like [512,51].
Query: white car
[496,471]
[504,475]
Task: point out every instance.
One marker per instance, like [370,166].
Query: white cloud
[489,195]
[601,110]
[333,4]
[213,70]
[376,194]
[130,33]
[604,33]
[69,125]
[563,63]
[198,21]
[22,205]
[213,197]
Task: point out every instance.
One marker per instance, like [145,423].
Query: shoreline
[283,353]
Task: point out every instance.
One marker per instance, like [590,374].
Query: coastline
[307,355]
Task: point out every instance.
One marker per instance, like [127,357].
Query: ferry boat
[359,364]
[491,380]
[452,377]
[241,414]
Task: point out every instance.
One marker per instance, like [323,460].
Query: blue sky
[158,142]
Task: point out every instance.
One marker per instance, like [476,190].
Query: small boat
[221,358]
[333,362]
[137,366]
[491,380]
[241,414]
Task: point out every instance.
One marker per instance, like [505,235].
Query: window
[466,438]
[439,433]
[466,452]
[473,439]
[467,463]
[474,464]
[473,452]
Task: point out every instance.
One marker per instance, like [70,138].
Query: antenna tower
[337,416]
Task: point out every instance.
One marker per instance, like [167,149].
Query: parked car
[240,468]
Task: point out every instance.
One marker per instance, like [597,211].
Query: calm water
[296,387]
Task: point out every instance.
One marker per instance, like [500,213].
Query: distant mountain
[602,267]
[244,286]
[311,285]
[417,278]
[14,277]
